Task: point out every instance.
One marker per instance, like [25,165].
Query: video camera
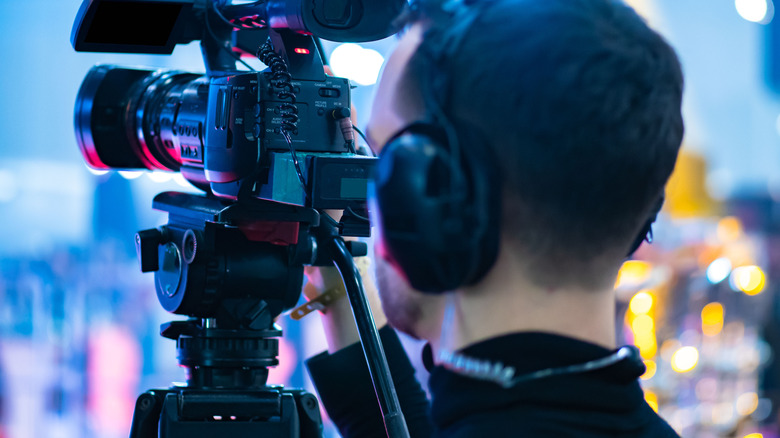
[286,131]
[271,150]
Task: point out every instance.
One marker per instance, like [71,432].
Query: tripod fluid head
[232,267]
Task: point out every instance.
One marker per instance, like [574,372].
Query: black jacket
[602,403]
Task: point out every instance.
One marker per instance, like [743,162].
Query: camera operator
[550,128]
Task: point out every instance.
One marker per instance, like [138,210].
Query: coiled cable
[288,111]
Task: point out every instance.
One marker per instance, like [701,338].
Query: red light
[302,51]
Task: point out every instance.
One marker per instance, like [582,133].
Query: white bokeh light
[719,270]
[356,63]
[160,177]
[757,11]
[131,174]
[97,172]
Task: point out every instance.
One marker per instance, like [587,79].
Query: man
[572,109]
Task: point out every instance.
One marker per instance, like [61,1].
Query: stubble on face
[401,304]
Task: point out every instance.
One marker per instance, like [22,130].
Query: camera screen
[133,23]
[354,188]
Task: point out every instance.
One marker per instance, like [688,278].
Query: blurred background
[79,323]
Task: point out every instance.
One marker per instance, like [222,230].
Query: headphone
[436,193]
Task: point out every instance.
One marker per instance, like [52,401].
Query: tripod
[232,268]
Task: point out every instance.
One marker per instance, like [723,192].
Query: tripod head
[233,268]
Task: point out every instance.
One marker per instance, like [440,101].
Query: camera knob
[146,245]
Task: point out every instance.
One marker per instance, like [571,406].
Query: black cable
[222,46]
[356,214]
[222,17]
[282,79]
[363,136]
[243,24]
[249,18]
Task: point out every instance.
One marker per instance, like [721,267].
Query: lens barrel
[127,118]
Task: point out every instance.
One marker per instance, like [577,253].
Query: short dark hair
[580,103]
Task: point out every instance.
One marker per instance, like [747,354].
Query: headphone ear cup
[413,210]
[426,213]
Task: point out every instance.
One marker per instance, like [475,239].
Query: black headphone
[438,203]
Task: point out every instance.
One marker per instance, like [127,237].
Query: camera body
[221,131]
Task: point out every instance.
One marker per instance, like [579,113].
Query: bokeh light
[633,273]
[748,279]
[712,316]
[160,177]
[719,270]
[747,403]
[647,344]
[643,324]
[652,399]
[356,63]
[757,11]
[131,174]
[729,229]
[94,171]
[641,303]
[651,369]
[685,359]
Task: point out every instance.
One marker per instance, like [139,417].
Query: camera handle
[395,424]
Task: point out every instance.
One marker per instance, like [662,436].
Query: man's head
[577,106]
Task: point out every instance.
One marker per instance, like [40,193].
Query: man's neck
[506,302]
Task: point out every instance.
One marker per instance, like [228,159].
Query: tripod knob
[357,249]
[146,244]
[174,329]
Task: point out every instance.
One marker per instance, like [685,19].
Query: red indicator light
[302,51]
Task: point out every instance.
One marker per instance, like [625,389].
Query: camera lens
[126,118]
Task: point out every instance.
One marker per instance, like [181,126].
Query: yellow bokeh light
[641,303]
[712,314]
[633,273]
[685,359]
[711,330]
[754,435]
[642,324]
[729,229]
[748,279]
[650,371]
[652,399]
[647,344]
[712,319]
[747,403]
